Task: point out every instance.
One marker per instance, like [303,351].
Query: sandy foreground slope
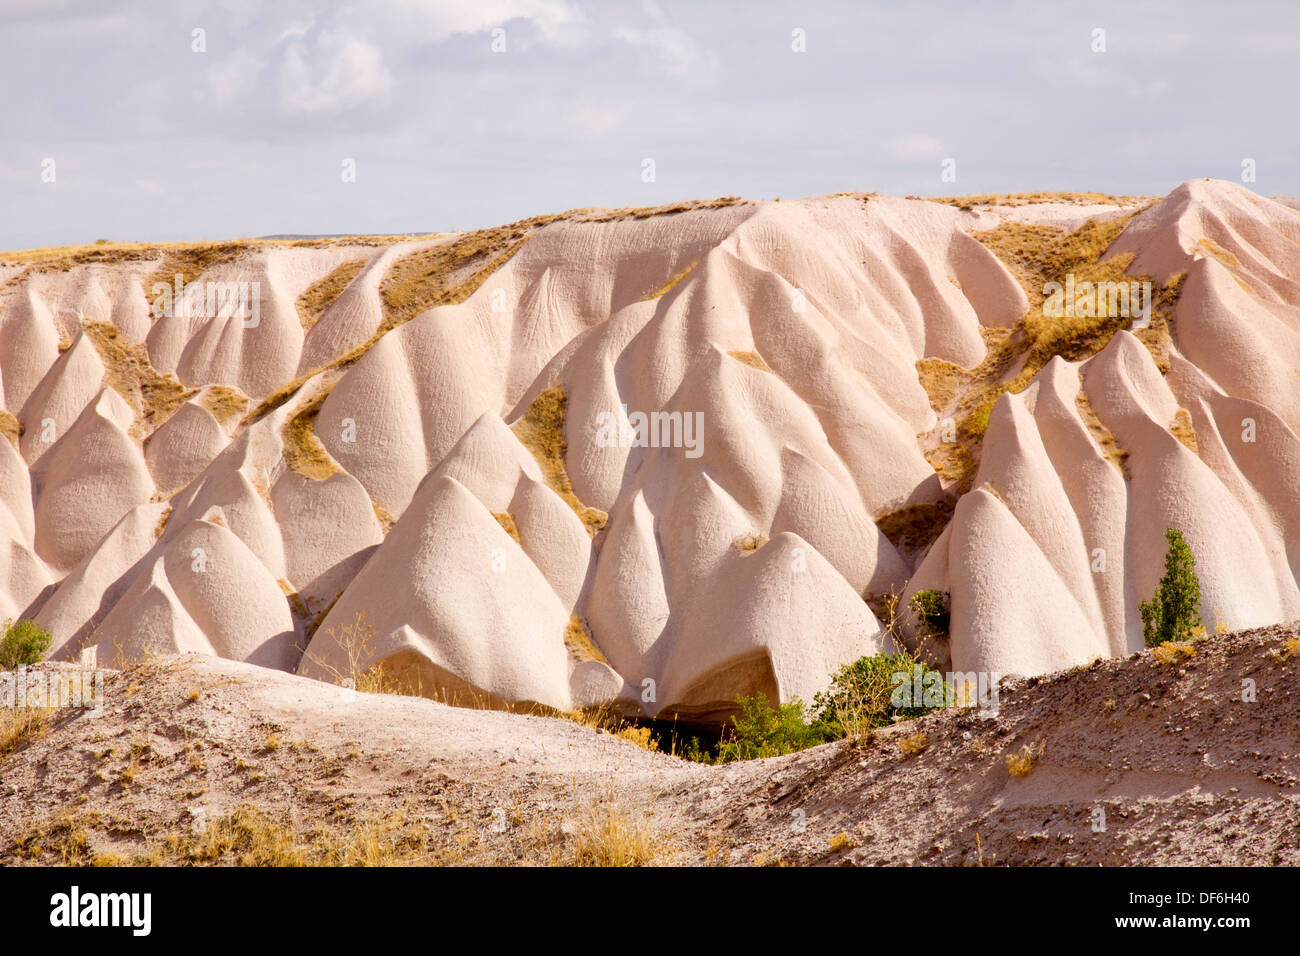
[198,759]
[400,461]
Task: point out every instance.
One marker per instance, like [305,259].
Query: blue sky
[154,141]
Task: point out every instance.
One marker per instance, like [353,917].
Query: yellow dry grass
[671,283]
[226,404]
[321,294]
[752,359]
[578,640]
[913,744]
[1182,429]
[20,726]
[1037,198]
[1022,762]
[191,261]
[1173,652]
[507,522]
[1103,436]
[747,544]
[608,835]
[303,451]
[541,430]
[10,427]
[152,394]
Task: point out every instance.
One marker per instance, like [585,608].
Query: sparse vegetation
[578,640]
[10,427]
[861,696]
[20,726]
[320,295]
[1173,613]
[541,430]
[752,359]
[1173,652]
[932,610]
[23,643]
[1022,762]
[763,731]
[153,395]
[608,835]
[913,744]
[507,522]
[303,451]
[749,543]
[226,404]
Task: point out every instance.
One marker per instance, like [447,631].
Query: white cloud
[915,146]
[336,72]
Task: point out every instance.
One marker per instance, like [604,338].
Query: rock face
[653,459]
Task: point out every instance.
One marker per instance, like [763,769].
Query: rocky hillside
[658,457]
[1150,759]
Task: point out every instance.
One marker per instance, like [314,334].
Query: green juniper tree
[1173,613]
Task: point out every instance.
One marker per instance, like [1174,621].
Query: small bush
[763,731]
[1173,614]
[1021,764]
[861,696]
[913,744]
[23,643]
[1173,653]
[932,610]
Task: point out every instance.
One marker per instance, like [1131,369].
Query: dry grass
[606,834]
[1173,652]
[227,405]
[541,430]
[1103,436]
[10,427]
[507,522]
[841,841]
[355,638]
[448,273]
[752,359]
[20,726]
[671,283]
[191,261]
[1021,763]
[303,451]
[1182,429]
[153,395]
[1036,255]
[747,544]
[1208,247]
[578,640]
[1036,198]
[913,744]
[162,522]
[942,380]
[641,736]
[321,294]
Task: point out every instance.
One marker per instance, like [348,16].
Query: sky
[150,120]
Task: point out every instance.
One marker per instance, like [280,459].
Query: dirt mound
[1183,756]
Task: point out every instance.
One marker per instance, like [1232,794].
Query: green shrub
[861,695]
[764,731]
[23,643]
[1173,613]
[932,609]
